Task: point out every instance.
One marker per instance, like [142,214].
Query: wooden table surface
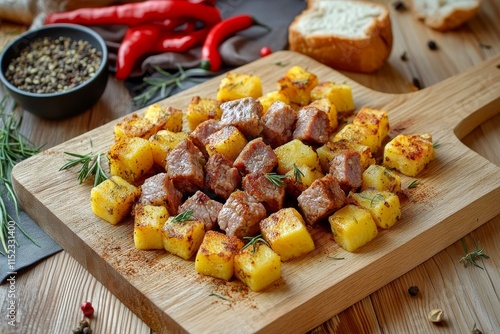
[50,292]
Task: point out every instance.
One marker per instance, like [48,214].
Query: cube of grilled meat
[204,208]
[159,190]
[221,177]
[245,114]
[323,197]
[346,168]
[269,194]
[313,125]
[256,156]
[278,124]
[184,165]
[200,134]
[241,214]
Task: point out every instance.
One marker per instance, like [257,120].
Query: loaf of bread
[445,15]
[347,35]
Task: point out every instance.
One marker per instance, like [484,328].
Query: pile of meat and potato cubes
[240,189]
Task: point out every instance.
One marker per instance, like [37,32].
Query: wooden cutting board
[458,192]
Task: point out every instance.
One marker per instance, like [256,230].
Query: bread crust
[365,54]
[449,20]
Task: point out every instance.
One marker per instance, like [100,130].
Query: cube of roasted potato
[269,98]
[162,142]
[239,85]
[165,118]
[409,154]
[295,152]
[130,158]
[201,109]
[257,266]
[331,148]
[339,94]
[112,200]
[352,227]
[304,174]
[384,206]
[215,257]
[328,108]
[375,119]
[183,237]
[228,141]
[381,178]
[297,84]
[359,134]
[134,126]
[287,234]
[148,222]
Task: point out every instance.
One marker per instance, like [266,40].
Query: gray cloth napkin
[25,253]
[236,51]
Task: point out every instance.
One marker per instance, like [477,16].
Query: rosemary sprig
[183,216]
[275,179]
[163,83]
[413,184]
[471,257]
[377,197]
[436,144]
[254,241]
[14,148]
[91,165]
[218,295]
[297,174]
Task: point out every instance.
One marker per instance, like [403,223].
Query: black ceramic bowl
[60,104]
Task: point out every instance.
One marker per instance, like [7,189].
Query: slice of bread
[348,35]
[445,15]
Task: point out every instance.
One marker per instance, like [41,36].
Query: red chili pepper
[137,41]
[88,310]
[137,13]
[180,42]
[210,56]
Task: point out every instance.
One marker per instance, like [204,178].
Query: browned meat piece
[346,168]
[159,190]
[293,188]
[256,156]
[323,197]
[313,125]
[264,191]
[245,114]
[220,175]
[279,122]
[200,134]
[204,208]
[241,214]
[184,165]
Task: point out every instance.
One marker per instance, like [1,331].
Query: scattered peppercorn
[84,328]
[413,290]
[436,315]
[404,56]
[88,310]
[49,65]
[416,83]
[432,45]
[399,6]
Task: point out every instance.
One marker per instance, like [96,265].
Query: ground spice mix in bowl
[56,71]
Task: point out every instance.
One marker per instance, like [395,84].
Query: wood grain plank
[134,276]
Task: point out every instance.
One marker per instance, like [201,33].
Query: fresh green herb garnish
[436,144]
[275,179]
[254,241]
[297,174]
[91,166]
[377,197]
[14,148]
[280,63]
[333,257]
[218,295]
[413,184]
[471,257]
[163,83]
[182,217]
